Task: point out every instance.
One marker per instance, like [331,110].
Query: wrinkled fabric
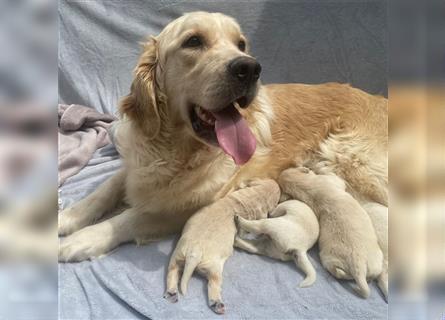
[82,131]
[295,41]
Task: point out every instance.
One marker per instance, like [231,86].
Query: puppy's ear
[141,105]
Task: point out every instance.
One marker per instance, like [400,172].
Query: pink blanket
[82,131]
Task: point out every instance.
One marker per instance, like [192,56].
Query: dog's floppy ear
[141,105]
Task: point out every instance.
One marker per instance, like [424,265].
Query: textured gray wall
[295,41]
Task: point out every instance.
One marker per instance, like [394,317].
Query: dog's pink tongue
[234,136]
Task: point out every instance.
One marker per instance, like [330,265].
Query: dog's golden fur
[169,173]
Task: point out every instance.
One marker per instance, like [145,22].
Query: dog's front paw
[70,220]
[85,244]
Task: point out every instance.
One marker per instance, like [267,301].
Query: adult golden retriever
[198,124]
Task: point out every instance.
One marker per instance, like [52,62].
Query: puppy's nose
[245,69]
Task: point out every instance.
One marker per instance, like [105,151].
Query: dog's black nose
[245,69]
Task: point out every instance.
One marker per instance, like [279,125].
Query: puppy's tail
[191,262]
[302,261]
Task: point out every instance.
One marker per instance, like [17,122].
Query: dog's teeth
[204,116]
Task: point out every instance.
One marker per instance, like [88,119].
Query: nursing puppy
[379,217]
[207,239]
[291,230]
[348,244]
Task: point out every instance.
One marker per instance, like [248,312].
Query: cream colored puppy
[291,230]
[207,239]
[348,244]
[379,217]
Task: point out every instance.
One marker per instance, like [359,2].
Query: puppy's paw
[240,222]
[171,297]
[304,169]
[241,185]
[362,288]
[322,167]
[382,282]
[253,182]
[217,307]
[238,241]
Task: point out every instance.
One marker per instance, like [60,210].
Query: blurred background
[417,159]
[28,165]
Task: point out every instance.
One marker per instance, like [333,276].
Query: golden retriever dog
[197,124]
[207,249]
[349,247]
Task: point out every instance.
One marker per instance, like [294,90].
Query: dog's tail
[302,261]
[191,262]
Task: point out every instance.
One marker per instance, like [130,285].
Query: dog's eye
[242,45]
[192,42]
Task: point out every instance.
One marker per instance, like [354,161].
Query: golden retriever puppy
[197,124]
[379,217]
[348,244]
[289,232]
[207,239]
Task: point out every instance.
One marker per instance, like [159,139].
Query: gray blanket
[298,41]
[130,282]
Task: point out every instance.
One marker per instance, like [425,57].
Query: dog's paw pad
[218,307]
[171,297]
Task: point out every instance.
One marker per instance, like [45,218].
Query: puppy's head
[304,180]
[197,73]
[297,183]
